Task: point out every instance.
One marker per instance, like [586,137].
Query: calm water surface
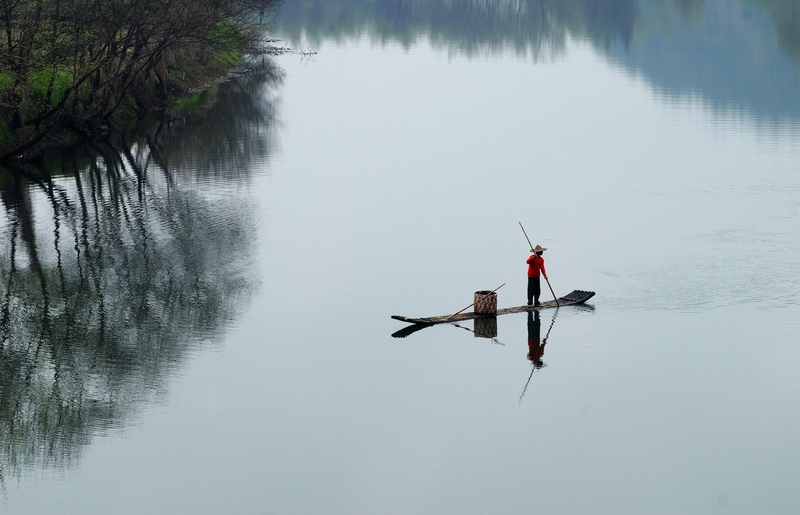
[200,322]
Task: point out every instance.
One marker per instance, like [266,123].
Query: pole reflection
[536,345]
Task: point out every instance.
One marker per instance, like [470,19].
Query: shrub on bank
[80,69]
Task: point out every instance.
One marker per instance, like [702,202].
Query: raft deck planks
[573,298]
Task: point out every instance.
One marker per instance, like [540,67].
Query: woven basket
[485,302]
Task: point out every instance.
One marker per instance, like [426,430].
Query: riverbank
[184,93]
[180,94]
[72,76]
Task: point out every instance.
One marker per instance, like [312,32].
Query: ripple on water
[771,280]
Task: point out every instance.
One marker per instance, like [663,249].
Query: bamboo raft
[571,299]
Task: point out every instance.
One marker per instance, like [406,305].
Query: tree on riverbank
[118,267]
[78,67]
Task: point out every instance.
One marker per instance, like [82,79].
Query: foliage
[197,99]
[5,134]
[786,16]
[118,267]
[85,64]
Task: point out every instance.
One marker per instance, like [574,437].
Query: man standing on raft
[535,267]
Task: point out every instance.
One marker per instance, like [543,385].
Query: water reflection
[484,328]
[116,266]
[741,56]
[536,345]
[234,128]
[529,27]
[409,330]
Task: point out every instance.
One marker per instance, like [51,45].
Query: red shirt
[535,349]
[536,263]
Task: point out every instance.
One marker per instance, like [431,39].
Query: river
[195,315]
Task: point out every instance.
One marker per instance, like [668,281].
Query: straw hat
[539,248]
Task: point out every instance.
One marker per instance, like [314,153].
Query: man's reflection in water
[535,343]
[535,346]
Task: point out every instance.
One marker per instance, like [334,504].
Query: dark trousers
[534,289]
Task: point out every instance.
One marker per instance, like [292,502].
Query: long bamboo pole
[552,292]
[526,236]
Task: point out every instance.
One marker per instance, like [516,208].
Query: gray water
[201,323]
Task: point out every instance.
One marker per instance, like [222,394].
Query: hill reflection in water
[737,56]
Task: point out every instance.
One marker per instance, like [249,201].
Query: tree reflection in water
[119,259]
